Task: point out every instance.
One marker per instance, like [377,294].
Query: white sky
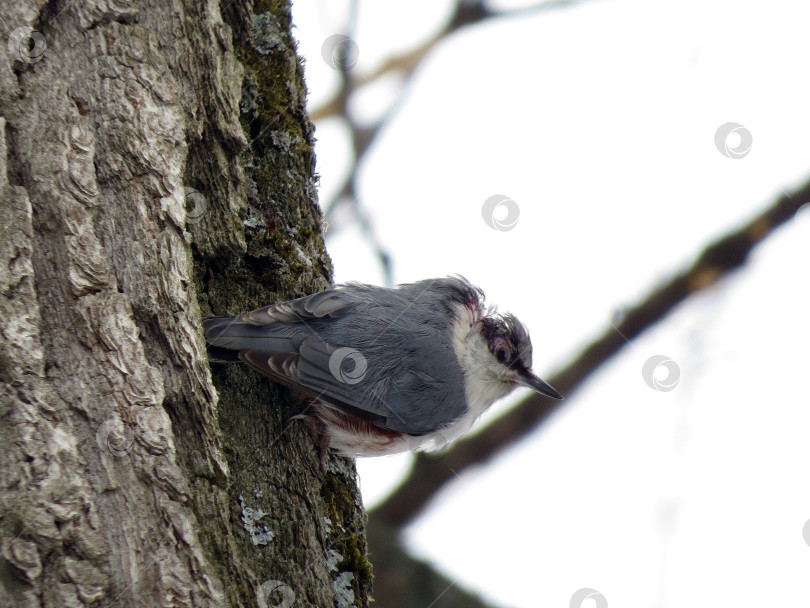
[599,121]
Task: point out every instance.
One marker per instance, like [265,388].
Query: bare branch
[466,14]
[361,138]
[430,473]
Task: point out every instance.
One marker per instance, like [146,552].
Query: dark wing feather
[283,368]
[333,303]
[406,399]
[412,382]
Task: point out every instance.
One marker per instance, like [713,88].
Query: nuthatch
[386,370]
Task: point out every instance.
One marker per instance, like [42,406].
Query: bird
[385,370]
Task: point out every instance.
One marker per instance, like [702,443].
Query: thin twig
[361,137]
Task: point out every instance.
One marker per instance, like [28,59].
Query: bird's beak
[529,380]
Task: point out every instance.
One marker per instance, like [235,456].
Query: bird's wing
[312,345]
[283,368]
[408,400]
[332,303]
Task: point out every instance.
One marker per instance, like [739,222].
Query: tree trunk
[156,166]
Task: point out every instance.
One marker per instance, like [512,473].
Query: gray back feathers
[383,354]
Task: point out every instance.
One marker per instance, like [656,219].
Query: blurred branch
[362,137]
[402,581]
[466,14]
[429,473]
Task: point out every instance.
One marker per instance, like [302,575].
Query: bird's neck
[472,350]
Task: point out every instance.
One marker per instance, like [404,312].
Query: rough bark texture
[154,155]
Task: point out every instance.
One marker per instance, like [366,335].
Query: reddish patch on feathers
[355,436]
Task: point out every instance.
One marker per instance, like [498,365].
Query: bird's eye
[502,351]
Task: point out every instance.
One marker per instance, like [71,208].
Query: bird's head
[501,354]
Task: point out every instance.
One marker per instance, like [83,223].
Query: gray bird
[386,370]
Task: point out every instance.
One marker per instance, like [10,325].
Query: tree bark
[156,165]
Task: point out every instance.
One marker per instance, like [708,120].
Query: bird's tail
[228,336]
